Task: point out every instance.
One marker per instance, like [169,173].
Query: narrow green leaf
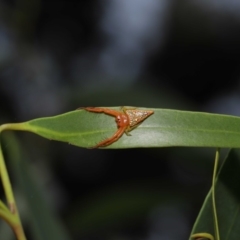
[43,221]
[164,128]
[227,202]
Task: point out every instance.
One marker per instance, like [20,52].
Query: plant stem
[18,230]
[213,194]
[6,183]
[13,126]
[16,224]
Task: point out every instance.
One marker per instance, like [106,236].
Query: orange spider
[126,120]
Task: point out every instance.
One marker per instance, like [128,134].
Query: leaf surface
[42,219]
[165,128]
[227,202]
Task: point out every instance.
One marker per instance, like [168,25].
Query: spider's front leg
[112,139]
[108,111]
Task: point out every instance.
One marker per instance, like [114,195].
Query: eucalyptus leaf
[165,128]
[42,219]
[227,194]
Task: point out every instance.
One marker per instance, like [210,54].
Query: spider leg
[112,139]
[108,111]
[127,132]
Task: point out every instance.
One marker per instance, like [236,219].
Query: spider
[127,119]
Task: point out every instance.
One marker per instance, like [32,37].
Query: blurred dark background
[56,56]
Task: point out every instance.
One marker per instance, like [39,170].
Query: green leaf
[164,128]
[227,201]
[43,221]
